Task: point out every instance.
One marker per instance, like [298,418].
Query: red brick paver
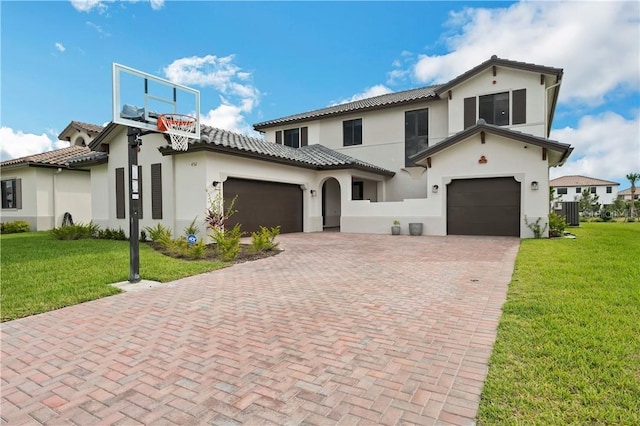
[338,329]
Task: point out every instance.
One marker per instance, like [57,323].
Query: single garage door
[484,207]
[262,203]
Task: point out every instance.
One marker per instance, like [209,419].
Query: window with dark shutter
[520,106]
[18,183]
[120,195]
[469,112]
[156,191]
[12,194]
[279,137]
[304,136]
[292,138]
[494,109]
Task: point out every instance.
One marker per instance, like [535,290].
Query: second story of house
[78,133]
[570,188]
[388,129]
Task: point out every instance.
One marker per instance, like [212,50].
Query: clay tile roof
[56,158]
[313,156]
[627,191]
[577,180]
[91,129]
[375,102]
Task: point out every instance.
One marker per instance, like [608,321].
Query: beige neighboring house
[470,156]
[41,188]
[569,188]
[625,194]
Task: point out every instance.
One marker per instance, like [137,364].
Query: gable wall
[506,79]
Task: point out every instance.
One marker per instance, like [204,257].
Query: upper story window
[499,109]
[578,190]
[494,109]
[593,189]
[352,132]
[11,194]
[292,138]
[562,191]
[609,189]
[416,133]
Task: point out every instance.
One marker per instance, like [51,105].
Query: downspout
[55,191]
[546,107]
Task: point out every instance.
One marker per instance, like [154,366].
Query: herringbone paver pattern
[340,329]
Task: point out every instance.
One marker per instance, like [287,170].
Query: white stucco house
[570,188]
[625,194]
[41,188]
[470,156]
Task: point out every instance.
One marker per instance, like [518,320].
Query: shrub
[557,225]
[217,215]
[227,242]
[15,227]
[535,227]
[158,233]
[264,240]
[192,228]
[75,232]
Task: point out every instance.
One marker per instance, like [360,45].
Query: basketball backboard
[139,98]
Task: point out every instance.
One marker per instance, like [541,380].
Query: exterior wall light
[215,183]
[534,185]
[434,189]
[314,192]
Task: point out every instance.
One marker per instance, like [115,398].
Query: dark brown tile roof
[376,102]
[55,158]
[578,180]
[91,129]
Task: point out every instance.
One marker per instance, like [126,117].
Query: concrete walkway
[338,329]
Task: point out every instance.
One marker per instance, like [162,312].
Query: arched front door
[331,204]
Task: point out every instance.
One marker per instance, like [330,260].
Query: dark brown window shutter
[140,192]
[304,136]
[156,191]
[279,137]
[469,112]
[520,106]
[17,192]
[120,196]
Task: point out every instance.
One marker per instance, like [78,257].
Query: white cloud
[17,144]
[89,5]
[237,93]
[156,4]
[369,92]
[99,30]
[60,47]
[606,146]
[597,44]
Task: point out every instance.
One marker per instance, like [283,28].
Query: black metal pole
[134,140]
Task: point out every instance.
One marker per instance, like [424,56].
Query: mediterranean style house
[41,188]
[625,194]
[570,188]
[470,156]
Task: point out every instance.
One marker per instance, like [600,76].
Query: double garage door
[262,203]
[488,206]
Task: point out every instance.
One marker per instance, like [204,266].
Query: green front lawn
[40,273]
[568,346]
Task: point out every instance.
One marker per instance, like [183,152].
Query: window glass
[352,132]
[609,190]
[578,190]
[416,133]
[562,190]
[292,138]
[8,194]
[494,109]
[593,189]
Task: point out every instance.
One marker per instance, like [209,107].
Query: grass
[40,273]
[568,346]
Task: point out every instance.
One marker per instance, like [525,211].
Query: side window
[352,132]
[292,138]
[12,194]
[494,109]
[562,191]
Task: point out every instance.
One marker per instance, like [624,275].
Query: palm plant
[633,177]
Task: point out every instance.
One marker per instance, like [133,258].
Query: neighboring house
[41,188]
[570,188]
[625,194]
[471,156]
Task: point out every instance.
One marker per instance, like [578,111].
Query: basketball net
[177,122]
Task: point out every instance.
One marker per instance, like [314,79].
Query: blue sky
[254,61]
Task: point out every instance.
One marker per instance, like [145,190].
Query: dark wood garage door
[262,203]
[483,207]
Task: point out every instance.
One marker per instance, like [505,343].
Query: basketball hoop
[174,123]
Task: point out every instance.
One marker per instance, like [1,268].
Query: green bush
[264,240]
[158,233]
[75,232]
[557,225]
[192,228]
[227,242]
[535,227]
[14,227]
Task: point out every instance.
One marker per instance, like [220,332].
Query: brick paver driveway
[338,329]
